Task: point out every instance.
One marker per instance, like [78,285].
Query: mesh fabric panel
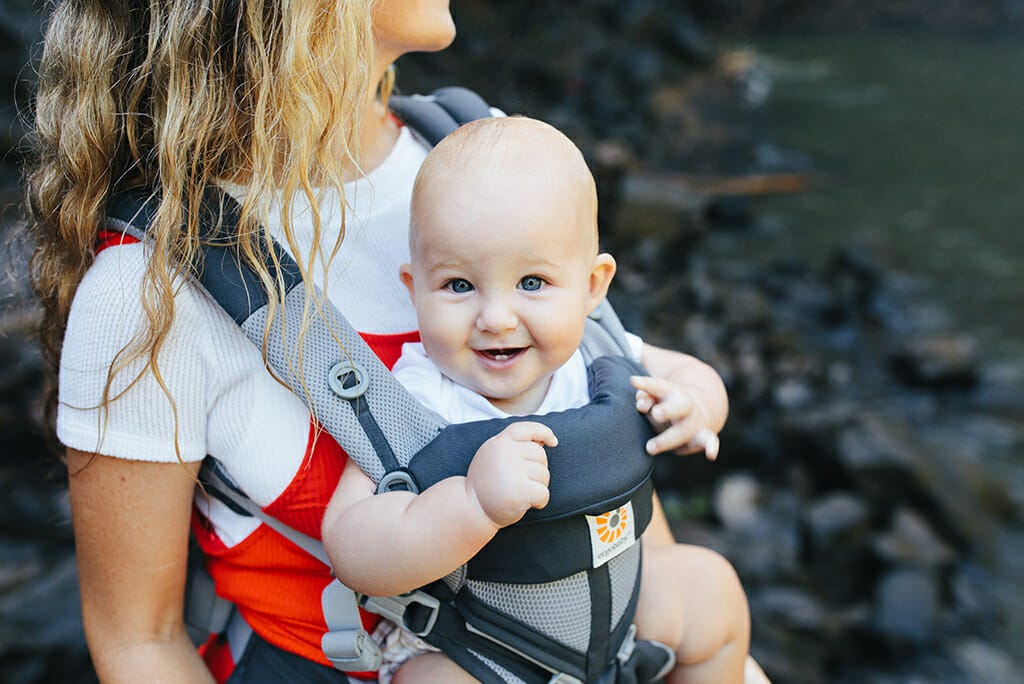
[456,578]
[623,574]
[505,675]
[407,424]
[559,610]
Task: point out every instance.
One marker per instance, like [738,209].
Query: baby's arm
[395,542]
[685,399]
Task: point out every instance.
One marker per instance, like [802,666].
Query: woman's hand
[678,416]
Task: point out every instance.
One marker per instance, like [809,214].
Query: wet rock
[938,361]
[836,519]
[737,500]
[983,662]
[906,607]
[911,541]
[792,394]
[792,607]
[747,309]
[766,547]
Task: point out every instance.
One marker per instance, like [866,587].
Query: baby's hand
[677,416]
[509,473]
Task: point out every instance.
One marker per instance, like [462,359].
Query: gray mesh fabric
[407,424]
[560,610]
[505,675]
[456,579]
[623,574]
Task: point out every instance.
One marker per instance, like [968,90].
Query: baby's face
[503,277]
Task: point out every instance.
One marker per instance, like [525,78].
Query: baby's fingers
[531,431]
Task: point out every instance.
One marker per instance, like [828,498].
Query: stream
[913,146]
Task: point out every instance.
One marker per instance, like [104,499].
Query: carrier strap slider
[628,645]
[348,379]
[406,610]
[351,650]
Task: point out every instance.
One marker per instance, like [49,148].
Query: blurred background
[822,199]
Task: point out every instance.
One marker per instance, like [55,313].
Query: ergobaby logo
[611,533]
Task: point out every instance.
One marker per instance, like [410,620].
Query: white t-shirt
[458,404]
[227,404]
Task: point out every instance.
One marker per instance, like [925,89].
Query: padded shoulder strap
[436,115]
[603,334]
[350,391]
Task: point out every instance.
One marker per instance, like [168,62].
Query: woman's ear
[405,273]
[600,278]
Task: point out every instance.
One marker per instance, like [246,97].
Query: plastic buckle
[348,380]
[351,650]
[628,645]
[394,608]
[397,480]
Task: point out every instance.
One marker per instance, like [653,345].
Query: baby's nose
[496,316]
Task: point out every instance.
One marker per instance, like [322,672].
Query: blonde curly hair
[176,96]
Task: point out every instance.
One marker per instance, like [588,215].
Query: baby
[504,270]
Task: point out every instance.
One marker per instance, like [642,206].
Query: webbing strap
[216,482]
[346,644]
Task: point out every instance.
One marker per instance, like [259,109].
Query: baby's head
[505,263]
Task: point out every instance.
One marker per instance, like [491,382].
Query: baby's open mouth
[501,354]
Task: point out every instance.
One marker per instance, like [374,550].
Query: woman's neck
[377,138]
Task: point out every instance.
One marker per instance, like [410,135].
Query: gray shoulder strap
[603,334]
[349,390]
[436,115]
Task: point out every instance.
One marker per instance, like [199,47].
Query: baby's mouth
[501,354]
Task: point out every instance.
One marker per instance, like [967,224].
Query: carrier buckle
[351,650]
[397,609]
[628,645]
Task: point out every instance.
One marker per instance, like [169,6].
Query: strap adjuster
[351,650]
[628,645]
[397,609]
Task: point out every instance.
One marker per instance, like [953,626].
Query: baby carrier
[549,599]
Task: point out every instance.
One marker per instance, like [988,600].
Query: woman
[279,104]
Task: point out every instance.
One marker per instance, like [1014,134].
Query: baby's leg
[692,600]
[431,667]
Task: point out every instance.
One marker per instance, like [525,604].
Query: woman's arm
[131,524]
[708,408]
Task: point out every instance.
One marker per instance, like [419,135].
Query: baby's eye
[459,285]
[531,283]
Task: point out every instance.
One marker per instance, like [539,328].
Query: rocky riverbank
[856,492]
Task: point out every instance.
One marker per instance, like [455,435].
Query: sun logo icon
[612,524]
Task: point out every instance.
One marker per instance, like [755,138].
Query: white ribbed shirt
[227,404]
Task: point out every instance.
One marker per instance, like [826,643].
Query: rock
[835,520]
[906,607]
[983,662]
[737,501]
[912,541]
[936,361]
[792,394]
[792,607]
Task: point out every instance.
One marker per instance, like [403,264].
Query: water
[917,147]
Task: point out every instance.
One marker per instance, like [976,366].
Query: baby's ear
[405,273]
[600,278]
